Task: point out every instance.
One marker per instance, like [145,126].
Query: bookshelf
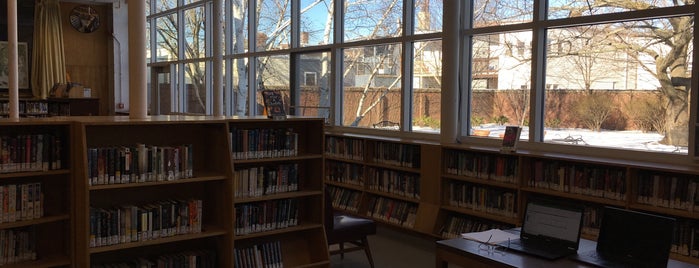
[36,188]
[170,188]
[151,187]
[466,188]
[279,191]
[26,107]
[383,179]
[592,181]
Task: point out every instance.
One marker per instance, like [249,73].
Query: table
[468,253]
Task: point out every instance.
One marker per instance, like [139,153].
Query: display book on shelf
[35,207]
[151,214]
[274,104]
[381,179]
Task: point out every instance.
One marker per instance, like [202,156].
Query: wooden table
[467,253]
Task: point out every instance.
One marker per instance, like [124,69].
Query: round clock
[84,19]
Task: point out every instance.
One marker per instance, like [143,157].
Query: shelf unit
[278,170]
[103,208]
[35,171]
[27,108]
[384,179]
[592,181]
[473,188]
[204,198]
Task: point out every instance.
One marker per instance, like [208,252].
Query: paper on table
[492,236]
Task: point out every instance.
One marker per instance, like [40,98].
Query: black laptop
[550,230]
[631,239]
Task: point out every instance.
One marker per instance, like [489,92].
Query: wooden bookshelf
[35,163]
[206,146]
[473,188]
[664,189]
[387,180]
[277,166]
[162,147]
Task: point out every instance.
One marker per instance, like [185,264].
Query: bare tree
[666,42]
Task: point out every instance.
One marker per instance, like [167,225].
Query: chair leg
[367,251]
[342,250]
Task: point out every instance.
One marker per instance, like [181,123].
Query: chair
[341,228]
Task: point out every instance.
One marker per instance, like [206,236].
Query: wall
[88,55]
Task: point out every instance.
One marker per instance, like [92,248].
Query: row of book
[17,245]
[263,143]
[482,166]
[391,210]
[394,182]
[111,226]
[19,202]
[454,226]
[476,197]
[344,148]
[605,182]
[266,216]
[344,199]
[344,172]
[186,259]
[264,255]
[592,218]
[26,107]
[686,239]
[139,163]
[259,181]
[30,152]
[669,191]
[397,154]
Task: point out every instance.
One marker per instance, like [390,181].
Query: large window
[594,80]
[367,90]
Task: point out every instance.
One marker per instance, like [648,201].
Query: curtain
[48,58]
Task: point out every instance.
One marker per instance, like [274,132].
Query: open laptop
[631,239]
[550,229]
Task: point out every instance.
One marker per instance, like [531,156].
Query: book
[509,140]
[274,104]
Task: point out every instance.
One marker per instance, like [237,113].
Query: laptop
[550,230]
[631,239]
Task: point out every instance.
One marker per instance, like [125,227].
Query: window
[371,85]
[603,83]
[309,79]
[371,80]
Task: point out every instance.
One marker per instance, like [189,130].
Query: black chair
[342,228]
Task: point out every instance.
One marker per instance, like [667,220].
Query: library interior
[347,133]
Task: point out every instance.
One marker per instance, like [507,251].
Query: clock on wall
[84,19]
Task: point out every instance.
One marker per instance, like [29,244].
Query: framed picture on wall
[22,64]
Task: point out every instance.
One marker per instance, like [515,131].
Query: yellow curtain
[48,58]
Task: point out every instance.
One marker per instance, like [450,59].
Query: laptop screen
[636,235]
[542,219]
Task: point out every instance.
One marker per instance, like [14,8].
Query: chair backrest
[328,211]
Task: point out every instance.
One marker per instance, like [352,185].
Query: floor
[391,248]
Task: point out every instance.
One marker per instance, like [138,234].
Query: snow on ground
[629,139]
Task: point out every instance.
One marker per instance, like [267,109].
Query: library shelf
[36,171]
[202,151]
[278,168]
[89,171]
[661,188]
[174,171]
[595,182]
[382,179]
